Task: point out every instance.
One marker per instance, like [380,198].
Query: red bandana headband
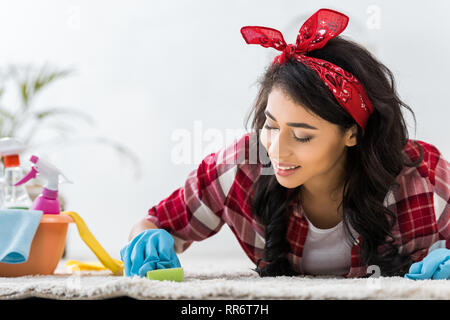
[322,26]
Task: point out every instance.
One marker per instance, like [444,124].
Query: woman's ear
[350,136]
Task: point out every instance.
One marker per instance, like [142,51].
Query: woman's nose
[278,148]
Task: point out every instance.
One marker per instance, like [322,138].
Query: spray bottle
[47,201]
[13,196]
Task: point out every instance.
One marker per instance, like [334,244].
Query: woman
[327,182]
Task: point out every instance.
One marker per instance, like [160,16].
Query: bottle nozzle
[30,175]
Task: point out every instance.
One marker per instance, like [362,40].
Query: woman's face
[297,137]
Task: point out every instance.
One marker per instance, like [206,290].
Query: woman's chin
[288,182]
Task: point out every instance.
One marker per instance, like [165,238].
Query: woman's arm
[194,212]
[141,226]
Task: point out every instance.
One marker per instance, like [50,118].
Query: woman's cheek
[321,159]
[310,157]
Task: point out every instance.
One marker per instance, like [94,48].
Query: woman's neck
[321,197]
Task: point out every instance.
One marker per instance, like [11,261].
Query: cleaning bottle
[13,196]
[47,201]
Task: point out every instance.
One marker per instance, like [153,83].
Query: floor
[218,278]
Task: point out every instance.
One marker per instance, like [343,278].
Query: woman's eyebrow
[292,124]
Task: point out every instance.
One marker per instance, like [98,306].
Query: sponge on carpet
[171,274]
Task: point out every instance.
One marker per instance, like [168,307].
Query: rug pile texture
[228,279]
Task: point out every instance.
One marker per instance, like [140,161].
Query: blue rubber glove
[151,249]
[436,265]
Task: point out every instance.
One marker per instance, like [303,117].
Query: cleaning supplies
[47,201]
[74,265]
[17,230]
[94,245]
[171,274]
[13,196]
[46,248]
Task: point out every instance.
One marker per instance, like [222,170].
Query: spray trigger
[30,175]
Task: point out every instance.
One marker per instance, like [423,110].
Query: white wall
[147,68]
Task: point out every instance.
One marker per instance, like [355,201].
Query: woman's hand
[151,249]
[436,265]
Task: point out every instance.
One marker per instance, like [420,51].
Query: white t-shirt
[327,251]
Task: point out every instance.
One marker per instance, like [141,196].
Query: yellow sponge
[171,274]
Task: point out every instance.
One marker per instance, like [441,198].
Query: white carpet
[230,279]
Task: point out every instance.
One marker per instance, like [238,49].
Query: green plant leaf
[46,77]
[31,80]
[24,93]
[58,111]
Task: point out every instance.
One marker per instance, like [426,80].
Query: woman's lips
[285,172]
[284,164]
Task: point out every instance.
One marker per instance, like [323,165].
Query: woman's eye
[307,139]
[268,127]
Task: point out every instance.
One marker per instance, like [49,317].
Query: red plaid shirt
[216,193]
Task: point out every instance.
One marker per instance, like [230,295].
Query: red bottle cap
[11,160]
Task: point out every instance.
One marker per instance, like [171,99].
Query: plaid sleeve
[194,212]
[440,179]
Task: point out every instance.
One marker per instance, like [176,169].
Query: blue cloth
[17,230]
[151,249]
[436,265]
